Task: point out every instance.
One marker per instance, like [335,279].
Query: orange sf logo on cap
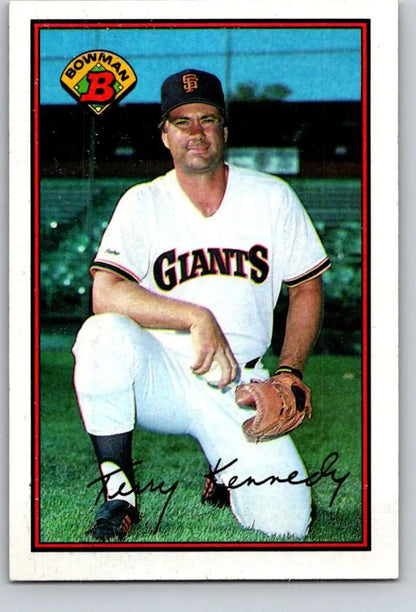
[190,82]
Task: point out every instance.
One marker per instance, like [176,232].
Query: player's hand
[211,347]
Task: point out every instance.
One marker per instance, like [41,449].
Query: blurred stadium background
[303,125]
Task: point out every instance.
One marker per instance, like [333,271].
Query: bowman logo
[98,78]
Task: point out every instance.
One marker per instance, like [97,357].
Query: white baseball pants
[124,378]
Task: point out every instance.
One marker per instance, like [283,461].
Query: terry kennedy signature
[327,470]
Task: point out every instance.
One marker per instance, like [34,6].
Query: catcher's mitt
[281,402]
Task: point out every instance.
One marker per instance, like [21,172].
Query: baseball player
[186,278]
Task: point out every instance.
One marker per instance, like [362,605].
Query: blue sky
[315,63]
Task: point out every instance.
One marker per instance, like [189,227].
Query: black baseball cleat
[114,519]
[215,493]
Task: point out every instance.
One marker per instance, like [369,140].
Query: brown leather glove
[281,404]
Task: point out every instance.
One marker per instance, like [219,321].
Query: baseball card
[203,344]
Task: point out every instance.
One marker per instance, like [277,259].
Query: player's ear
[225,134]
[165,139]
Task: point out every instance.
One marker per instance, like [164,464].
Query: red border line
[364,281]
[36,286]
[37,545]
[198,24]
[212,546]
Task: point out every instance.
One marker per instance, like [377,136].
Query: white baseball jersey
[233,262]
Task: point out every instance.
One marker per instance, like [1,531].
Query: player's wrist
[198,315]
[287,369]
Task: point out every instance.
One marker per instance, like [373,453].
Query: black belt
[252,364]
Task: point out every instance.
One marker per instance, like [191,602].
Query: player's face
[195,135]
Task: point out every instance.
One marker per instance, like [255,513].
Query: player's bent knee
[105,325]
[281,510]
[106,349]
[280,526]
[107,332]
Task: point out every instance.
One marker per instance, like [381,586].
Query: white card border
[381,561]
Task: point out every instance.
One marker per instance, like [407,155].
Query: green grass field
[68,465]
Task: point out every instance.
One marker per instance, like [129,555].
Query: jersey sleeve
[123,249]
[305,256]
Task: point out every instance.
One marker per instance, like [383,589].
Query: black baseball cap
[190,86]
